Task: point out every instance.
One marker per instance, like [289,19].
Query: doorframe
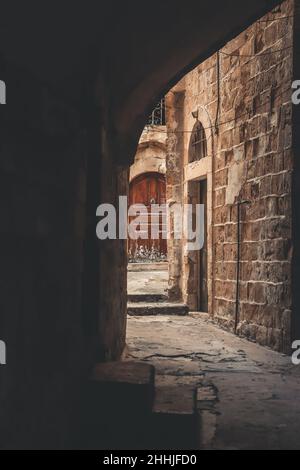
[193,173]
[199,270]
[146,174]
[191,272]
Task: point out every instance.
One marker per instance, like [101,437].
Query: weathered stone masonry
[295,183]
[174,164]
[246,106]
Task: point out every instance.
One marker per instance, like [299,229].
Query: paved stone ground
[148,282]
[248,396]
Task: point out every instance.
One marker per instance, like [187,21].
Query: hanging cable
[222,123]
[219,93]
[256,55]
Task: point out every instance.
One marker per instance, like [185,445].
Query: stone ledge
[164,308]
[137,267]
[133,373]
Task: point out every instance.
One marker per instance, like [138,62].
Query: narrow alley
[247,395]
[150,226]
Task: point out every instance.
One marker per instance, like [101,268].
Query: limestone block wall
[295,183]
[242,95]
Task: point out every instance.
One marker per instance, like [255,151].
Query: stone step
[124,411]
[157,308]
[126,373]
[175,422]
[147,298]
[119,401]
[144,267]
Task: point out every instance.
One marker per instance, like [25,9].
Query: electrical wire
[217,65]
[220,123]
[256,55]
[279,18]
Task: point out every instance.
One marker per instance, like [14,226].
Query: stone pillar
[113,259]
[174,163]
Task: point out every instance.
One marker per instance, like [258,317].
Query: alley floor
[248,396]
[149,279]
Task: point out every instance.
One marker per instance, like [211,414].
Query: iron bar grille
[158,115]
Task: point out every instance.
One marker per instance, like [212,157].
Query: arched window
[198,144]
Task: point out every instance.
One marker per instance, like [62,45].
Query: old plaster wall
[151,152]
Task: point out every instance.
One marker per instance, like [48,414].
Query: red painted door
[148,189]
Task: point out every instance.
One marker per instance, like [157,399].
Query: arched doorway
[197,190]
[149,189]
[197,277]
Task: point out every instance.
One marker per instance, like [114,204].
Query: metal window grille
[158,115]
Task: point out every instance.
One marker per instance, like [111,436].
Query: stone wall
[112,310]
[295,184]
[174,194]
[249,132]
[42,171]
[62,292]
[151,152]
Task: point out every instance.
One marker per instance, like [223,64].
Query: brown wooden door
[149,189]
[203,288]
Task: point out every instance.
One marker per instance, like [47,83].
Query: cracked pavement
[248,396]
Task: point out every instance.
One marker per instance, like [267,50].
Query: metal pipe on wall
[238,266]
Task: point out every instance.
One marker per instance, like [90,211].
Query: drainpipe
[238,264]
[219,93]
